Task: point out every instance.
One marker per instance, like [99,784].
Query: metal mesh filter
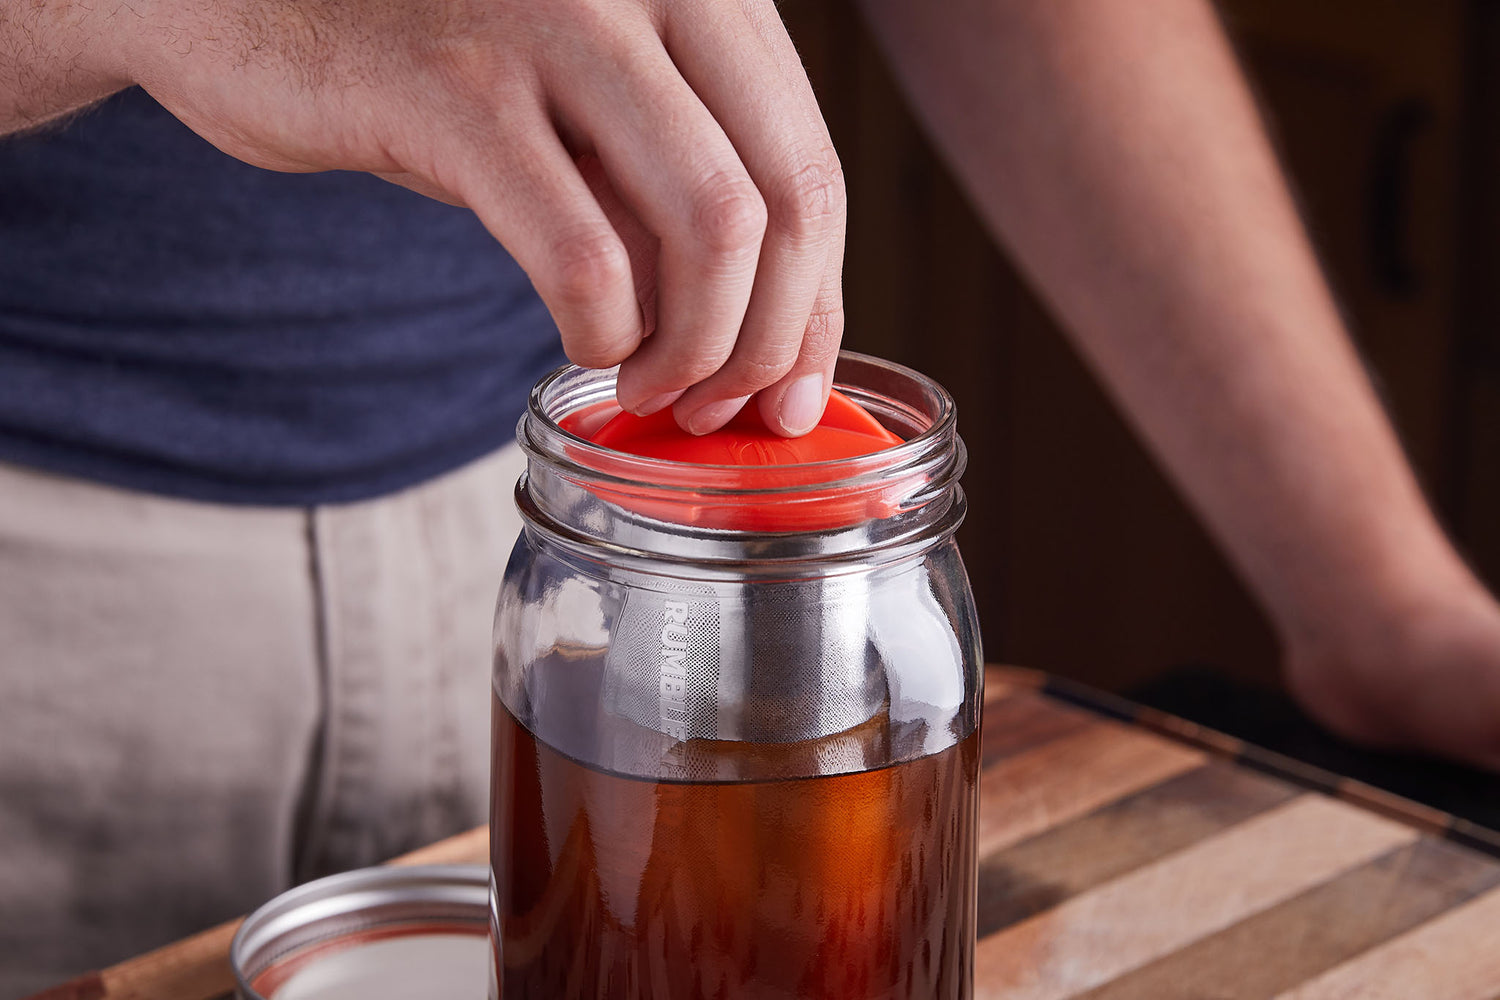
[662,670]
[762,662]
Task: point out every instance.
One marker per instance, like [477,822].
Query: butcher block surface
[1126,855]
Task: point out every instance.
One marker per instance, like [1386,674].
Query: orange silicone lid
[846,430]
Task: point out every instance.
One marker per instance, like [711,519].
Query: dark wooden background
[1083,560]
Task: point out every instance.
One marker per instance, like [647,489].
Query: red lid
[847,430]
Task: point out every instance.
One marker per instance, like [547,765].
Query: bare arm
[52,60]
[1116,149]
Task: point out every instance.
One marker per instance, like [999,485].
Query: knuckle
[751,374]
[585,264]
[690,369]
[813,200]
[597,351]
[729,213]
[457,42]
[825,328]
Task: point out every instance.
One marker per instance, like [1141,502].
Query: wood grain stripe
[1309,934]
[89,986]
[1257,758]
[1025,721]
[1115,707]
[996,688]
[1164,906]
[472,847]
[1019,678]
[1065,861]
[1029,792]
[1453,957]
[1004,682]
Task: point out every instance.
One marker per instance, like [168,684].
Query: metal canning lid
[375,934]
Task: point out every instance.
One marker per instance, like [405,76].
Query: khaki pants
[201,705]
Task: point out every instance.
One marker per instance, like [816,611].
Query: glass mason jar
[736,715]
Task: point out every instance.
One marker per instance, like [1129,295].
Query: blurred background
[1084,561]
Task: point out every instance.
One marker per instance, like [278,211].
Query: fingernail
[714,415]
[802,405]
[656,403]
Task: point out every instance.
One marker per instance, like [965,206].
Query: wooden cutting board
[1126,855]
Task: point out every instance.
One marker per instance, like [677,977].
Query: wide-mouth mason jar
[736,715]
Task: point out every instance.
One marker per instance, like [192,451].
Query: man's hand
[1413,662]
[659,167]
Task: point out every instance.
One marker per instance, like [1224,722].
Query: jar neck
[880,506]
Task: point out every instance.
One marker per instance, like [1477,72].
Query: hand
[659,168]
[1421,672]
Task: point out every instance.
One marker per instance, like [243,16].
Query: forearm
[1116,149]
[52,58]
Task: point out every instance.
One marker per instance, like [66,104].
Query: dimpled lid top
[846,431]
[770,462]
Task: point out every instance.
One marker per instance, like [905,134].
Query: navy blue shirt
[176,321]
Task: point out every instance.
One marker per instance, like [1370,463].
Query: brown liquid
[847,887]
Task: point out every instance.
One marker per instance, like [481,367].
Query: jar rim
[574,486]
[609,463]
